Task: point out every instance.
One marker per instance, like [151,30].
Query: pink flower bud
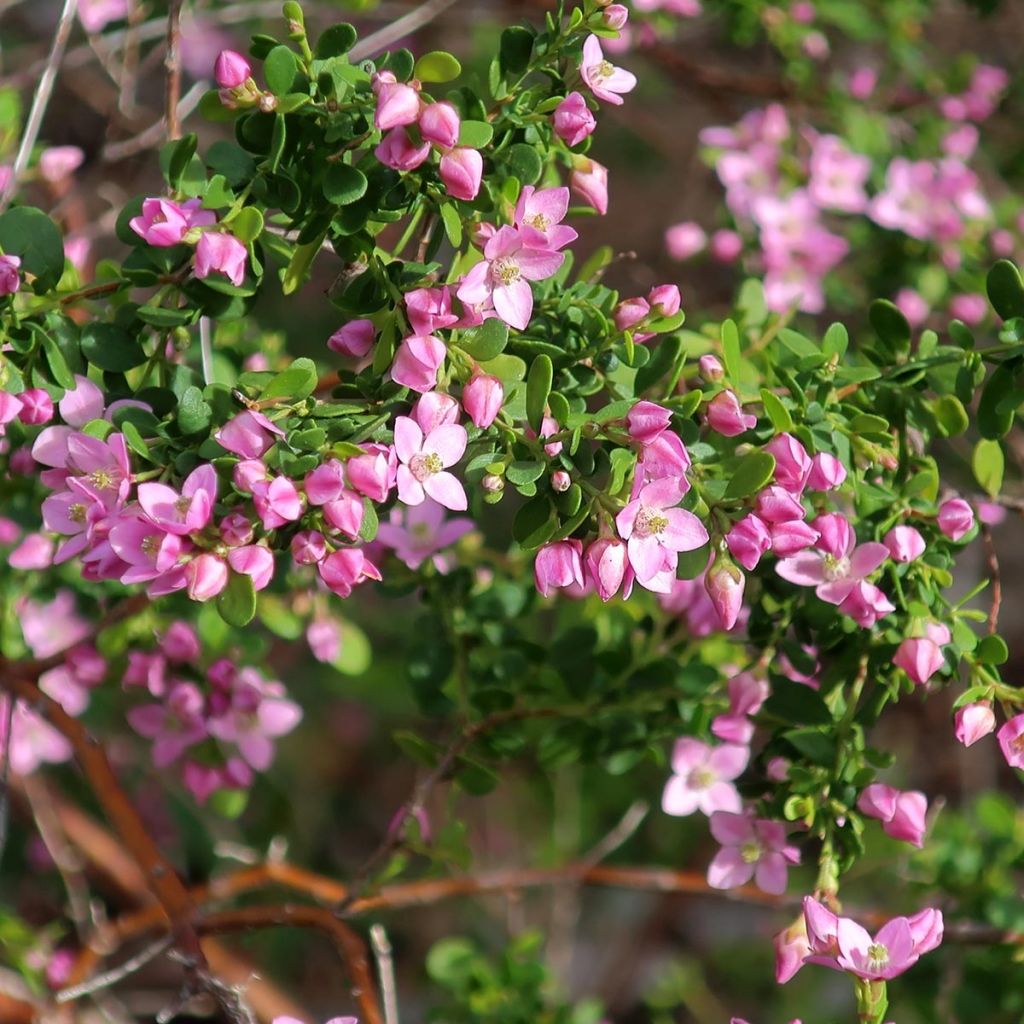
[439,124]
[325,483]
[685,240]
[560,481]
[647,421]
[254,561]
[493,484]
[461,171]
[956,518]
[482,398]
[222,253]
[589,180]
[558,565]
[792,463]
[398,151]
[308,547]
[919,657]
[725,245]
[353,339]
[827,472]
[277,502]
[630,312]
[776,505]
[748,540]
[417,361]
[974,721]
[236,530]
[246,473]
[725,415]
[791,946]
[573,120]
[902,814]
[345,569]
[324,639]
[10,276]
[904,543]
[345,514]
[791,537]
[665,299]
[180,643]
[971,308]
[36,407]
[725,583]
[862,82]
[231,69]
[372,474]
[206,576]
[710,368]
[60,162]
[381,78]
[616,16]
[912,305]
[397,105]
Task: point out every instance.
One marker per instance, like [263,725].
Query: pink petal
[685,532]
[729,760]
[771,874]
[514,303]
[867,558]
[446,490]
[410,490]
[729,869]
[678,798]
[806,569]
[408,438]
[731,829]
[538,264]
[448,441]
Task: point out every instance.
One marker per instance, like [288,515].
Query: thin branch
[5,772]
[41,100]
[172,61]
[115,974]
[385,971]
[621,834]
[992,560]
[416,19]
[154,134]
[206,348]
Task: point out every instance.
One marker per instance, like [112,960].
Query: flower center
[77,513]
[101,479]
[701,778]
[649,522]
[538,221]
[150,545]
[423,465]
[420,532]
[605,69]
[751,852]
[182,505]
[878,955]
[1017,744]
[836,568]
[505,270]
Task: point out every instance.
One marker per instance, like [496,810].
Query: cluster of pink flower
[164,223]
[937,200]
[231,706]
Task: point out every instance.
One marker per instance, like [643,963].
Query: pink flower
[482,398]
[343,570]
[606,81]
[429,309]
[461,171]
[702,778]
[231,69]
[896,947]
[164,223]
[277,502]
[838,176]
[751,848]
[36,407]
[206,576]
[589,180]
[82,403]
[372,474]
[257,714]
[573,120]
[220,252]
[647,421]
[180,643]
[353,339]
[685,240]
[59,162]
[725,583]
[417,361]
[912,305]
[345,514]
[725,245]
[656,531]
[1011,741]
[503,276]
[148,550]
[183,513]
[748,540]
[971,308]
[862,82]
[397,105]
[398,151]
[439,124]
[324,639]
[973,721]
[838,564]
[325,483]
[539,215]
[34,552]
[956,518]
[308,547]
[424,460]
[558,565]
[902,814]
[920,657]
[10,275]
[174,726]
[792,463]
[725,415]
[254,561]
[606,561]
[421,532]
[95,15]
[866,604]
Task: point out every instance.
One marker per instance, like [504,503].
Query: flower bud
[254,561]
[589,180]
[36,407]
[236,530]
[572,119]
[206,576]
[439,124]
[325,483]
[558,565]
[956,518]
[461,171]
[246,473]
[685,240]
[397,105]
[905,544]
[792,463]
[725,245]
[560,481]
[10,275]
[919,657]
[616,16]
[827,472]
[482,398]
[308,547]
[973,721]
[353,339]
[231,69]
[711,369]
[397,151]
[665,299]
[725,583]
[748,540]
[725,415]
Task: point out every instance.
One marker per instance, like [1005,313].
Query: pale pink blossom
[421,532]
[424,460]
[702,778]
[606,81]
[752,848]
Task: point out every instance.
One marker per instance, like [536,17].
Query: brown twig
[172,61]
[992,560]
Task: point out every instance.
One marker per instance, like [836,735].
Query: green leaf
[298,381]
[28,233]
[110,348]
[664,361]
[515,50]
[437,66]
[280,70]
[836,341]
[452,225]
[237,601]
[776,411]
[194,414]
[731,350]
[534,523]
[229,159]
[486,341]
[951,414]
[988,464]
[753,473]
[994,419]
[692,563]
[524,472]
[890,324]
[525,163]
[818,747]
[179,156]
[335,41]
[992,650]
[475,134]
[344,184]
[247,224]
[798,344]
[58,364]
[538,387]
[1005,289]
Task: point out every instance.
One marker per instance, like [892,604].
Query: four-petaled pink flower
[702,778]
[181,513]
[656,531]
[424,459]
[606,81]
[751,848]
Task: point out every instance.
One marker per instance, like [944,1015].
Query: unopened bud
[560,481]
[493,483]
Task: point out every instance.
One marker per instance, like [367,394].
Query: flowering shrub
[728,552]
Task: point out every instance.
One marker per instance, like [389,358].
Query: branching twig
[40,100]
[621,834]
[115,974]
